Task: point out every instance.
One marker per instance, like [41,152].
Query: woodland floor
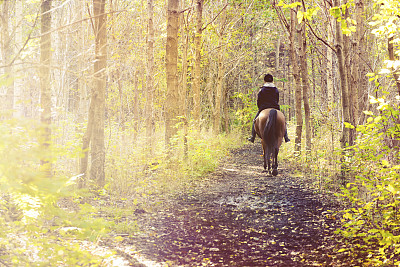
[239,216]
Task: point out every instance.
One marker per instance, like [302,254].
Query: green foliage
[373,218]
[385,23]
[205,154]
[348,25]
[244,116]
[136,171]
[307,14]
[35,231]
[386,18]
[259,4]
[291,5]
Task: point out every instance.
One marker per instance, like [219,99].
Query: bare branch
[78,21]
[281,16]
[319,38]
[215,17]
[186,9]
[24,45]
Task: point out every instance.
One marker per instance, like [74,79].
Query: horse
[270,126]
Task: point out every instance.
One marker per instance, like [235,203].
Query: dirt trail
[238,216]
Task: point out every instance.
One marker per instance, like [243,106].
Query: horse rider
[268,97]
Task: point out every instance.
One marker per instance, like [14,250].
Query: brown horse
[270,127]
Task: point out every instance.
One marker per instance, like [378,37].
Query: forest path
[239,216]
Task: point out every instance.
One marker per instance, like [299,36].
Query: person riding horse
[268,97]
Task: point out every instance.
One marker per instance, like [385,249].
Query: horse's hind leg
[269,165]
[264,157]
[269,160]
[275,163]
[265,163]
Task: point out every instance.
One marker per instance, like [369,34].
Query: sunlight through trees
[122,99]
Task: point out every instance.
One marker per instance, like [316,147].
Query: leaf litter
[238,216]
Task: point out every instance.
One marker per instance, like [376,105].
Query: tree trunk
[329,73]
[83,166]
[350,89]
[277,70]
[329,104]
[149,79]
[7,51]
[81,84]
[296,76]
[356,66]
[361,80]
[136,99]
[171,56]
[197,63]
[219,90]
[220,75]
[289,76]
[345,139]
[305,84]
[391,57]
[183,87]
[45,85]
[314,78]
[97,148]
[225,109]
[277,58]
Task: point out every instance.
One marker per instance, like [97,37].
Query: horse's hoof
[274,172]
[264,171]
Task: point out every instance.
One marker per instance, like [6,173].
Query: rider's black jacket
[268,97]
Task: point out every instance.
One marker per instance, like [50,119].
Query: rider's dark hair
[268,78]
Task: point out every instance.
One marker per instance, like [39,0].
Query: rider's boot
[286,136]
[251,139]
[253,133]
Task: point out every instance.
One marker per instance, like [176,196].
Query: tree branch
[24,45]
[186,9]
[319,38]
[215,17]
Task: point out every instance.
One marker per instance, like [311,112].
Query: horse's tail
[270,131]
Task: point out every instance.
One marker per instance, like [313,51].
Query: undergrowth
[370,217]
[46,221]
[136,171]
[371,223]
[34,230]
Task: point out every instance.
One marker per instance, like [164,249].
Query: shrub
[373,218]
[34,230]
